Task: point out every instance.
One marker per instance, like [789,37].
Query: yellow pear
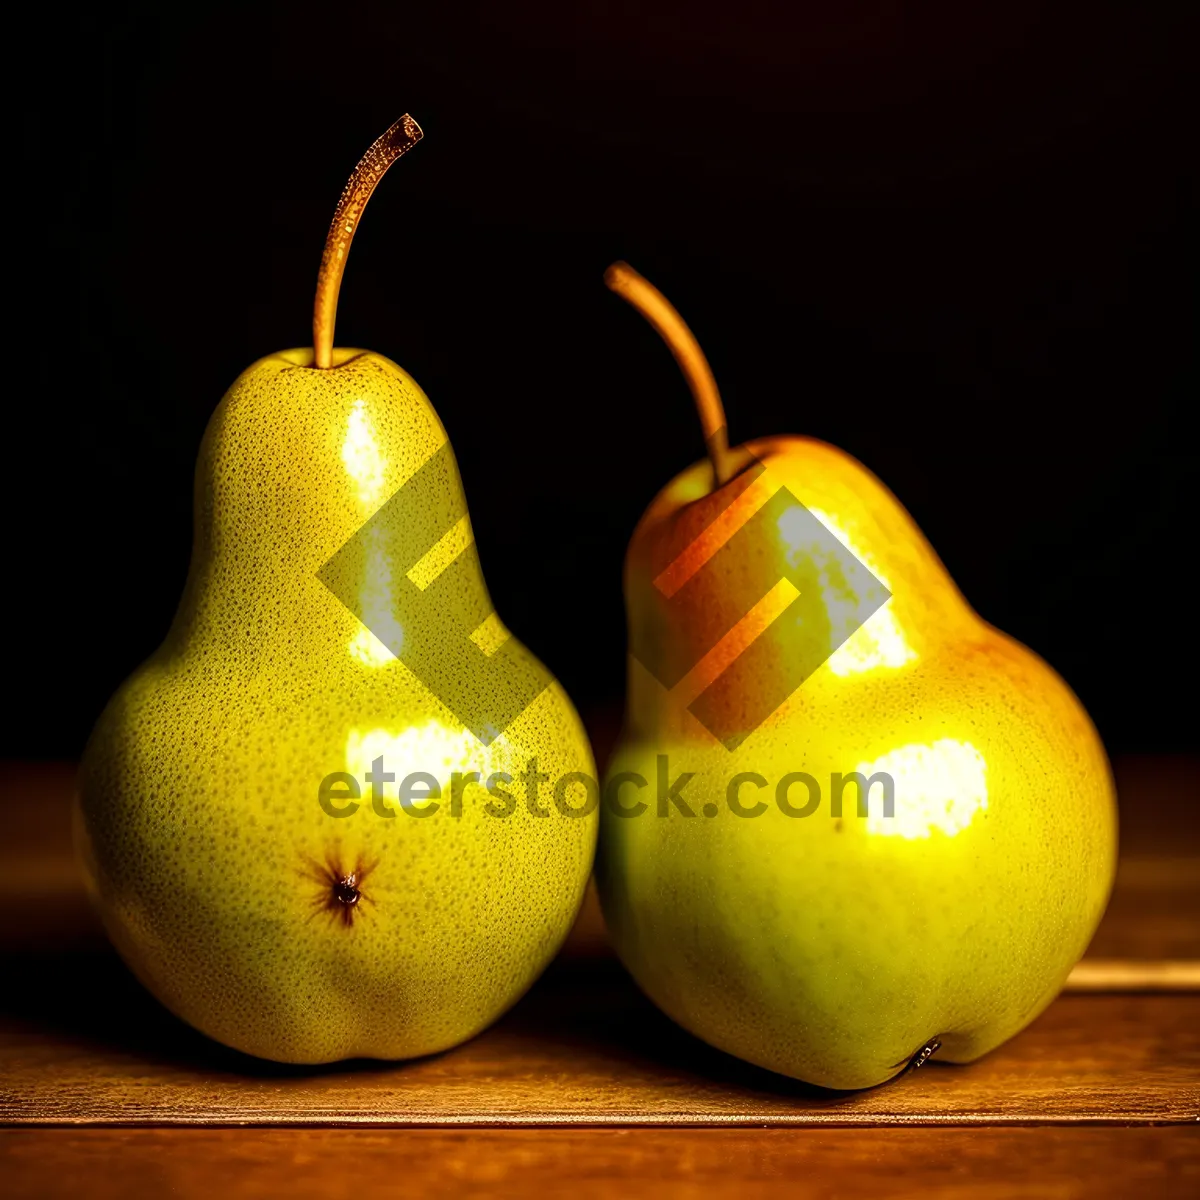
[326,818]
[851,823]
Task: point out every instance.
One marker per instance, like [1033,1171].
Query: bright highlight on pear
[285,829]
[786,917]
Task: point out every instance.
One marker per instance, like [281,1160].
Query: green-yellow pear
[900,827]
[318,821]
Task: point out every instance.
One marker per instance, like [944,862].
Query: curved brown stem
[372,167]
[671,327]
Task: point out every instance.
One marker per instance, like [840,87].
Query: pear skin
[837,947]
[212,861]
[241,817]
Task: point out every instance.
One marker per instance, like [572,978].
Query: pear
[852,824]
[317,822]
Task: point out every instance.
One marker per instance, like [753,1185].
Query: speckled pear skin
[208,854]
[834,949]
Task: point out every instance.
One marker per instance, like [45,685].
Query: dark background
[953,241]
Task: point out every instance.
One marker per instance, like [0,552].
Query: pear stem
[372,167]
[671,327]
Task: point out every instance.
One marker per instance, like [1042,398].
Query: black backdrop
[952,241]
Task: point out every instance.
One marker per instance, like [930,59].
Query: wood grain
[810,1164]
[1134,975]
[89,1046]
[82,1043]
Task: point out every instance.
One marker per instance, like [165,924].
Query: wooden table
[585,1088]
